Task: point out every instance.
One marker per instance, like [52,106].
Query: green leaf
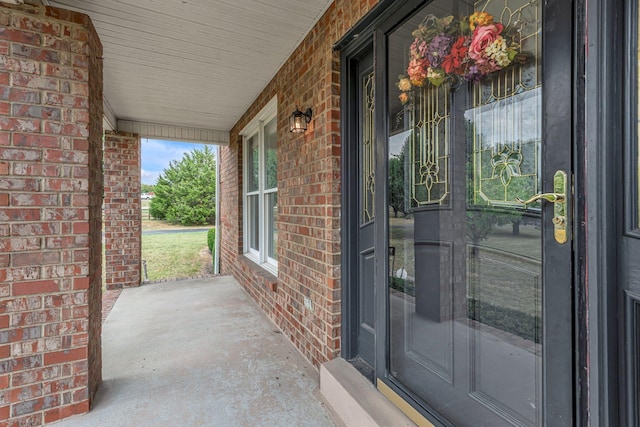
[185,191]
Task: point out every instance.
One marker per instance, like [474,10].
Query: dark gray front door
[479,285]
[366,217]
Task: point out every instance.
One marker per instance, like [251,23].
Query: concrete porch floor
[199,353]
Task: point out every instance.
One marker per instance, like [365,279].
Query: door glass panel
[465,291]
[367,187]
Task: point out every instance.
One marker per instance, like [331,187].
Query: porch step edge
[354,400]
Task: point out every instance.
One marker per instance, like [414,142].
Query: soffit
[193,63]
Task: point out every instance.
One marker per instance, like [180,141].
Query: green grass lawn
[176,255]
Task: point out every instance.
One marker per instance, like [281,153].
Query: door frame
[597,359]
[599,160]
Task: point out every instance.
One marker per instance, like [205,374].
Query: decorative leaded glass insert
[429,146]
[504,120]
[368,165]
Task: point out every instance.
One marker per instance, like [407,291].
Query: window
[261,188]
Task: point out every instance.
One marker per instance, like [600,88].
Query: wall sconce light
[298,120]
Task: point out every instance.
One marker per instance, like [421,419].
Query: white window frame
[256,128]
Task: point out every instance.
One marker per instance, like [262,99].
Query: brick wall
[122,214]
[50,187]
[308,193]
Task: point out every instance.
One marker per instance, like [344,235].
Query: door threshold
[354,401]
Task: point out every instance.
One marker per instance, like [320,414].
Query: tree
[185,191]
[147,188]
[397,181]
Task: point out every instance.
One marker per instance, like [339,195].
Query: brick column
[122,210]
[50,224]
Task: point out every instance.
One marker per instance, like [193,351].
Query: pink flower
[483,37]
[417,71]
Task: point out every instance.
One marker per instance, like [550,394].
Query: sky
[157,154]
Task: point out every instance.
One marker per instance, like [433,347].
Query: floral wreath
[471,48]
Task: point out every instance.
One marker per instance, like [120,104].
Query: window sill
[263,277]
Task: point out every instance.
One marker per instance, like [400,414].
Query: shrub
[211,239]
[185,191]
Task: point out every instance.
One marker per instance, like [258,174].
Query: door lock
[559,199]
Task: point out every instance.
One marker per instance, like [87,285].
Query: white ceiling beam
[174,133]
[110,119]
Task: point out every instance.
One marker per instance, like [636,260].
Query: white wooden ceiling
[193,63]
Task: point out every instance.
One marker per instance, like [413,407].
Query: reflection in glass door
[465,272]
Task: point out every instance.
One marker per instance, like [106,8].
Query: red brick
[35,258]
[80,283]
[19,364]
[23,393]
[4,168]
[16,244]
[4,197]
[19,125]
[33,24]
[31,169]
[36,112]
[80,200]
[66,156]
[35,287]
[31,140]
[31,199]
[5,412]
[19,184]
[4,382]
[21,304]
[38,54]
[26,37]
[19,214]
[4,78]
[64,328]
[14,154]
[80,228]
[68,129]
[65,356]
[81,172]
[20,95]
[35,82]
[4,323]
[66,242]
[80,144]
[66,411]
[69,101]
[79,89]
[71,185]
[69,73]
[5,108]
[36,405]
[57,43]
[35,317]
[35,229]
[19,65]
[75,214]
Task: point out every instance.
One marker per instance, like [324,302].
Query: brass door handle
[549,197]
[561,218]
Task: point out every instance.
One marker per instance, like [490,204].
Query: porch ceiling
[192,64]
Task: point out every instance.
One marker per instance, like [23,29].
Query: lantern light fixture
[298,120]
